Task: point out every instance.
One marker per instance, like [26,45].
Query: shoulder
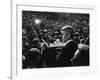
[71,43]
[83,47]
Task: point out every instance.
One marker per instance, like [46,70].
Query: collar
[69,41]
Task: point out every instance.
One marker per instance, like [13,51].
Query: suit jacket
[67,54]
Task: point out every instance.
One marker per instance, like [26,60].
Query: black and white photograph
[55,39]
[50,40]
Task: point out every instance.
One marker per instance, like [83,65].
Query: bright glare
[37,21]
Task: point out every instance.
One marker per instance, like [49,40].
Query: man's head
[67,33]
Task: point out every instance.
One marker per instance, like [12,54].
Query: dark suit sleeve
[68,51]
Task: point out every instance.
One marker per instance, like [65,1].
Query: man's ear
[68,35]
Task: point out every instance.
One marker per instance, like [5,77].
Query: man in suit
[69,49]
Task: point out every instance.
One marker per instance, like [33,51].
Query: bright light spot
[37,21]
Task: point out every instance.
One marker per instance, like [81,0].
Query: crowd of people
[40,29]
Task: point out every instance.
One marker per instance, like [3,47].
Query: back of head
[68,32]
